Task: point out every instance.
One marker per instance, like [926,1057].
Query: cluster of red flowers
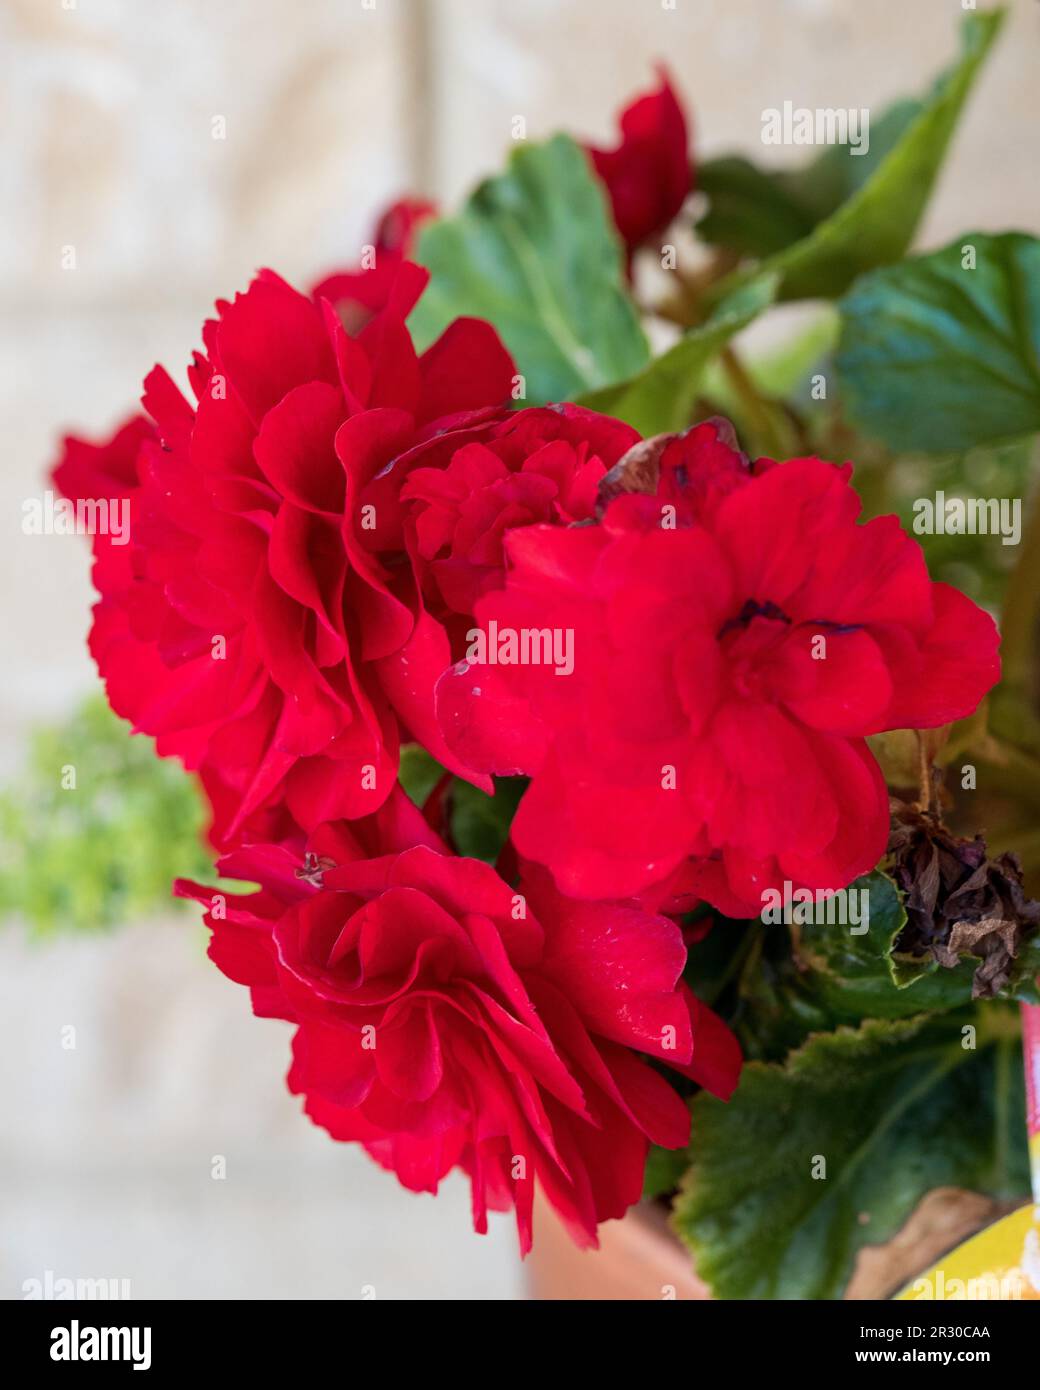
[321,540]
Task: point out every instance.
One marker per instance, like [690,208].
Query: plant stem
[754,404]
[686,307]
[924,773]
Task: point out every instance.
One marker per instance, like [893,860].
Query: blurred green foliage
[105,850]
[980,564]
[884,201]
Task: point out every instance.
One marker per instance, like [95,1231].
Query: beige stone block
[107,1153]
[178,145]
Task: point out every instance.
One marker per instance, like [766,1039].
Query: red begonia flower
[648,174]
[360,292]
[247,626]
[538,465]
[735,636]
[444,1019]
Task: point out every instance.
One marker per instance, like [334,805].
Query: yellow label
[1001,1262]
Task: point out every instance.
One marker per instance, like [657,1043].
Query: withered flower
[959,902]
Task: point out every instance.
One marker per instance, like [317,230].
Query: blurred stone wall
[177,145]
[324,110]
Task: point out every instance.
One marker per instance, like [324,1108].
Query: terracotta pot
[638,1258]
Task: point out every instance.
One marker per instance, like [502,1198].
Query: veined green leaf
[831,1151]
[942,353]
[534,252]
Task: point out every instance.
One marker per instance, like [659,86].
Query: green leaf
[818,974]
[418,772]
[107,849]
[664,1170]
[855,976]
[751,211]
[877,223]
[941,984]
[759,212]
[534,252]
[480,823]
[852,975]
[778,983]
[934,356]
[895,1108]
[661,398]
